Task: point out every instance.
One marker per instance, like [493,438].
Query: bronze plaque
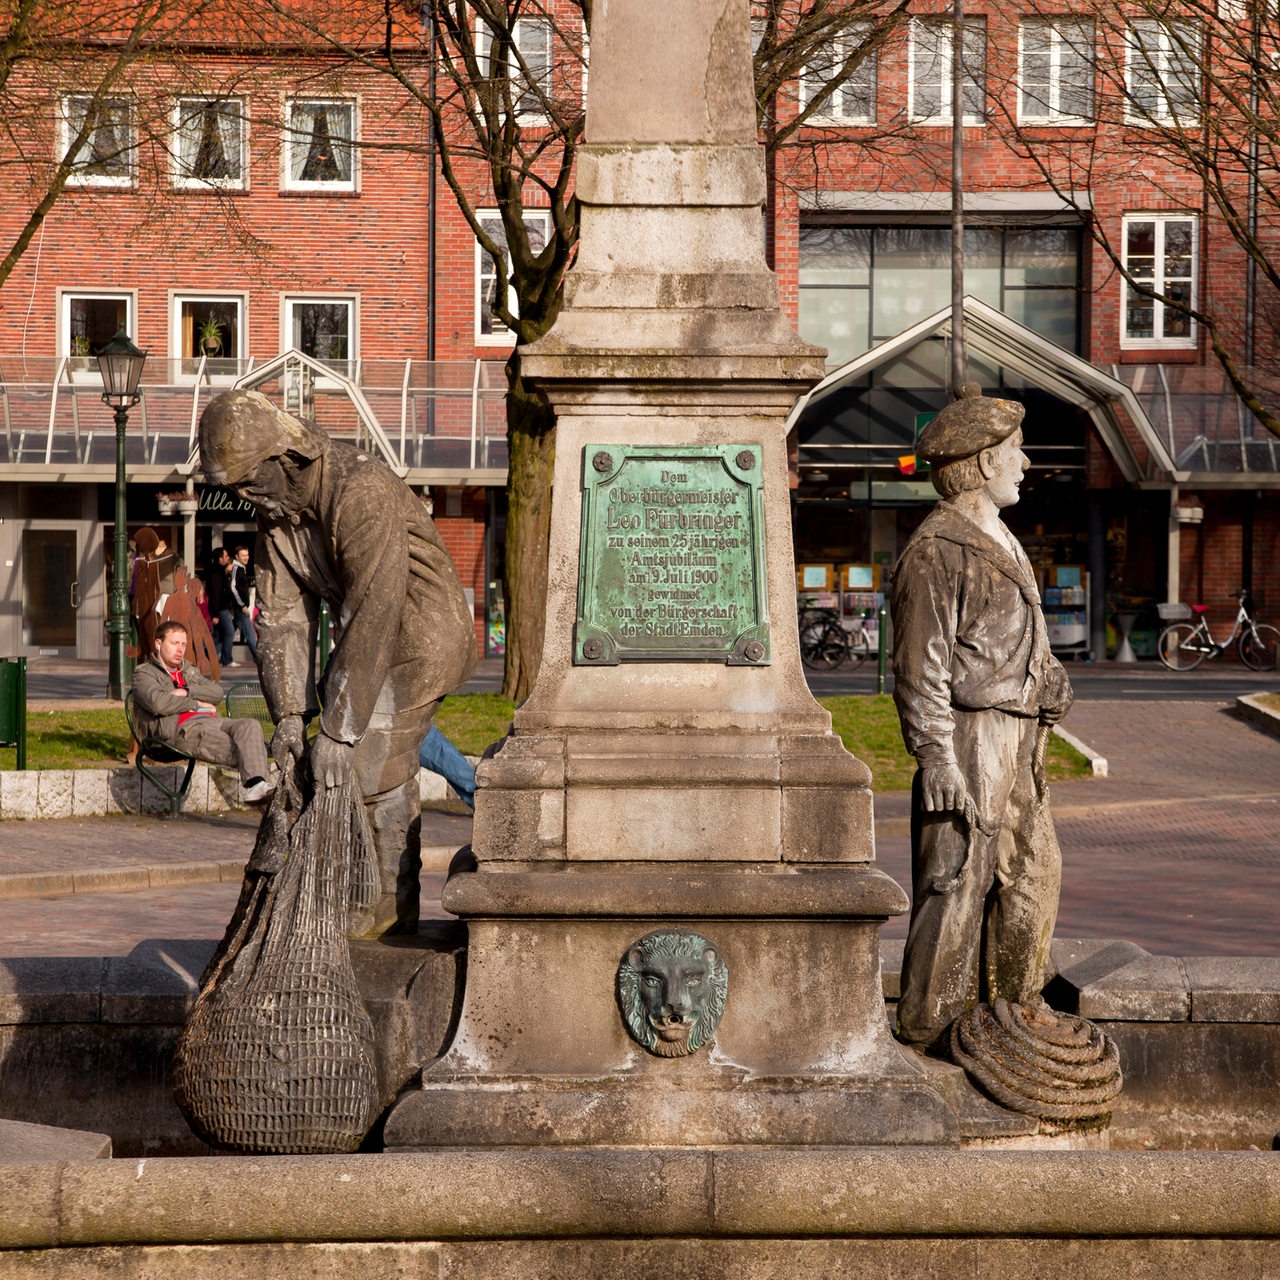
[671,557]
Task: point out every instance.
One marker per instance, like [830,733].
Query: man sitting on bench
[178,704]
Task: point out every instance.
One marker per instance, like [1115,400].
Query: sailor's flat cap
[968,425]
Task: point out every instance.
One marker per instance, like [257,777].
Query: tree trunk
[531,439]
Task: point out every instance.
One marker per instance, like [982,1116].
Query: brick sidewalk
[1178,849]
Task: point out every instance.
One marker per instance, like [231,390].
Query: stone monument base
[731,1110]
[803,1053]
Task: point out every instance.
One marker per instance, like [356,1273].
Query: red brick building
[1147,471]
[227,211]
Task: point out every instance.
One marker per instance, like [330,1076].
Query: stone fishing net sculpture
[978,691]
[278,1053]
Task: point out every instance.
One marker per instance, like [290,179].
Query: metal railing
[1204,425]
[423,416]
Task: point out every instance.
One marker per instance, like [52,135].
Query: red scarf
[179,682]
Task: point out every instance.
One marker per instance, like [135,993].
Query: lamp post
[120,364]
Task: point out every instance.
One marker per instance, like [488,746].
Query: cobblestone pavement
[112,924]
[89,923]
[1177,850]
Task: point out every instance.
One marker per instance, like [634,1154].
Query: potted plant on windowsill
[210,335]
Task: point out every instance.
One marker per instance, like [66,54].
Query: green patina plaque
[671,558]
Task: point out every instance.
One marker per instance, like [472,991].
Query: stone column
[696,787]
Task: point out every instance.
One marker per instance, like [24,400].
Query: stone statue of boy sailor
[976,690]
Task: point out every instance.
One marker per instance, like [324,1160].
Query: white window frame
[183,178]
[69,127]
[1156,65]
[349,300]
[811,85]
[527,103]
[917,29]
[501,336]
[176,353]
[88,370]
[1064,35]
[296,138]
[1160,281]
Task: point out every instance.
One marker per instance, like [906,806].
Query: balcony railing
[425,416]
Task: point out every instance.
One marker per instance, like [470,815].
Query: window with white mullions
[105,158]
[323,329]
[489,328]
[209,328]
[1162,73]
[209,143]
[319,149]
[1160,258]
[929,61]
[854,101]
[1055,71]
[526,67]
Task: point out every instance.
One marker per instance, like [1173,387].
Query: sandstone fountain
[671,1052]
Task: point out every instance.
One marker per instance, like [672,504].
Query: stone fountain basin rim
[541,1193]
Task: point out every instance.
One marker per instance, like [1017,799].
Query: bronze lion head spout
[672,988]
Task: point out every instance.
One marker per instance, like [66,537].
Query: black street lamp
[120,363]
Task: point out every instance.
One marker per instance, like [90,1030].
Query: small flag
[907,464]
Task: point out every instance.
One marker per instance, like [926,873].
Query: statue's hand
[289,739]
[942,787]
[332,762]
[1056,696]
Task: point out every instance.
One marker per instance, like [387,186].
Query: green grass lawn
[71,740]
[868,727]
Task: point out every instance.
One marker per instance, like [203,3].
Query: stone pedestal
[686,794]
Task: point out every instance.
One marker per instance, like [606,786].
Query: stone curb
[1097,763]
[1256,712]
[98,793]
[164,875]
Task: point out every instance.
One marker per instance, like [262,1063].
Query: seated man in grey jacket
[174,701]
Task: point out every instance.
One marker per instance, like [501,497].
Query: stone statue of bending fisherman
[337,525]
[976,691]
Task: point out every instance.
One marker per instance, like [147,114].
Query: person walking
[218,589]
[240,580]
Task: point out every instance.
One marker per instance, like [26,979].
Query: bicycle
[1183,647]
[826,642]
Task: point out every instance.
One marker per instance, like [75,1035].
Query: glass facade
[860,285]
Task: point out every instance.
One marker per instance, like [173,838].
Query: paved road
[82,679]
[91,923]
[1140,682]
